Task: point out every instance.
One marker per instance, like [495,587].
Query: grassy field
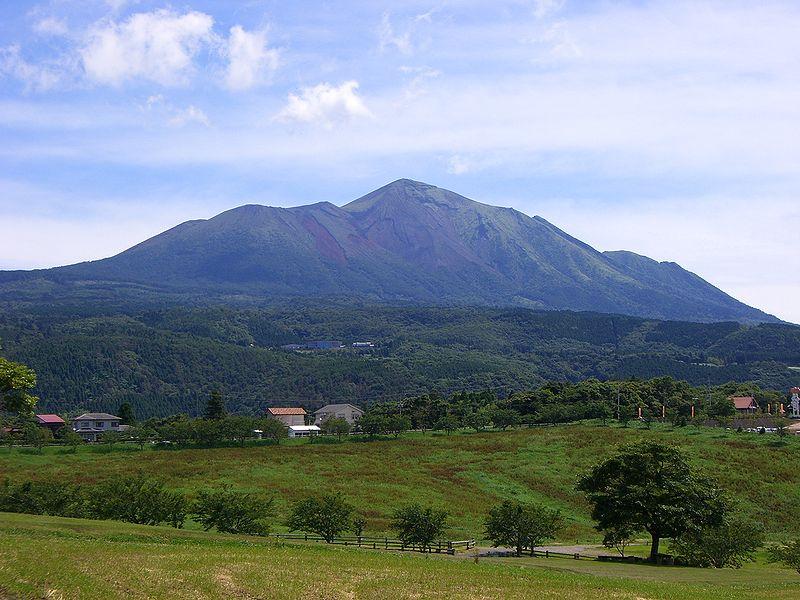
[465,473]
[56,558]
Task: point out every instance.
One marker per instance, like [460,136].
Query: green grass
[57,558]
[465,473]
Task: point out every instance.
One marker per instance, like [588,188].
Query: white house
[91,426]
[348,412]
[303,430]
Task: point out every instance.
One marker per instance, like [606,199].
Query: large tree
[215,408]
[16,382]
[327,515]
[650,486]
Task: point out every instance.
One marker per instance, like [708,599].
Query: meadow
[465,473]
[58,558]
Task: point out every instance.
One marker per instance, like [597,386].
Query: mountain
[407,242]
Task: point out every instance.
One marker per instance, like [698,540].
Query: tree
[417,526]
[730,544]
[232,512]
[137,499]
[618,538]
[373,424]
[126,414]
[522,526]
[327,515]
[397,424]
[359,523]
[478,419]
[215,408]
[649,486]
[71,439]
[447,422]
[16,381]
[503,418]
[336,426]
[272,429]
[787,554]
[36,435]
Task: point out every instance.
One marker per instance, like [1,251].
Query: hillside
[407,242]
[167,361]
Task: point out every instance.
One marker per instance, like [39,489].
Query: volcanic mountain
[407,242]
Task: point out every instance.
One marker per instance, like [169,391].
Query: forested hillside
[167,360]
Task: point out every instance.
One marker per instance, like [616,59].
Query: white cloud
[387,37]
[159,46]
[545,8]
[190,114]
[325,104]
[250,60]
[35,76]
[52,26]
[458,165]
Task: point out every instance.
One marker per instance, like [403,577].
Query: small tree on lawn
[327,516]
[37,436]
[478,419]
[359,523]
[503,418]
[417,526]
[215,408]
[448,423]
[618,538]
[730,544]
[522,526]
[272,429]
[336,426]
[397,424]
[787,554]
[232,512]
[650,486]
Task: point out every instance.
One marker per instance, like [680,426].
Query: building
[348,412]
[51,422]
[745,404]
[315,345]
[363,345]
[794,403]
[288,416]
[92,426]
[303,430]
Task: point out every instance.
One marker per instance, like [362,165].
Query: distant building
[51,422]
[288,416]
[316,345]
[348,412]
[363,345]
[92,426]
[745,404]
[303,430]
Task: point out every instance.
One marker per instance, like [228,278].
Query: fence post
[386,541]
[547,553]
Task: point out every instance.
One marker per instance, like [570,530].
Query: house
[348,412]
[744,404]
[303,430]
[51,422]
[288,416]
[92,426]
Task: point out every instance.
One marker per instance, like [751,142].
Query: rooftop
[330,407]
[97,417]
[50,419]
[742,402]
[286,411]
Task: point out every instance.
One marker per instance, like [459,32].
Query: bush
[787,554]
[730,544]
[417,526]
[232,512]
[327,515]
[136,499]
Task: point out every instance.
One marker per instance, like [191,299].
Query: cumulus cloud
[159,46]
[250,60]
[458,165]
[190,114]
[325,104]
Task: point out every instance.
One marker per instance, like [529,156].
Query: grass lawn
[466,473]
[57,558]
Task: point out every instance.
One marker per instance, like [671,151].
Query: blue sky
[666,128]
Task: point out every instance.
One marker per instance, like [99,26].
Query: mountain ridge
[407,241]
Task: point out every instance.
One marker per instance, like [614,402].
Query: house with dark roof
[745,404]
[51,422]
[348,412]
[92,426]
[289,416]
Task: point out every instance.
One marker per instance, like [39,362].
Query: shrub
[730,544]
[787,554]
[137,499]
[232,512]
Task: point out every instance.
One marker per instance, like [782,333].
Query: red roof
[286,411]
[50,419]
[795,390]
[744,402]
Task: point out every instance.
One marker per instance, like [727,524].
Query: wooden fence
[382,543]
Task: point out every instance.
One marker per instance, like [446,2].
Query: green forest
[166,360]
